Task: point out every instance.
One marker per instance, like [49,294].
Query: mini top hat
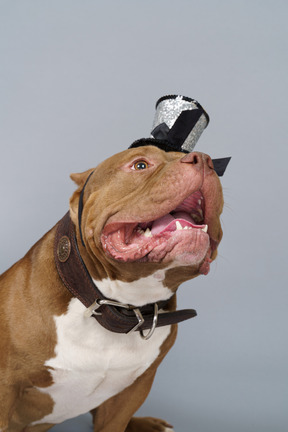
[179,121]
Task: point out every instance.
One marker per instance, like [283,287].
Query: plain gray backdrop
[79,81]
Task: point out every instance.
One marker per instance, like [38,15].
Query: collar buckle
[91,310]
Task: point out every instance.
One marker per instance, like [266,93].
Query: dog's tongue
[168,222]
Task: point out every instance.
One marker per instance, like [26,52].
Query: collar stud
[63,249]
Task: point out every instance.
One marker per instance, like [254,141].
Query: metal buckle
[91,310]
[140,318]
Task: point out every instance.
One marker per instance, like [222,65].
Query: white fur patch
[91,364]
[145,290]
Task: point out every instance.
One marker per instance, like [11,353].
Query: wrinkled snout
[200,161]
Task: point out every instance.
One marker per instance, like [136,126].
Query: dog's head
[145,209]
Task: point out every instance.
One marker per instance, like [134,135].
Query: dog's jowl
[90,311]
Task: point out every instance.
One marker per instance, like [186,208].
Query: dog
[139,224]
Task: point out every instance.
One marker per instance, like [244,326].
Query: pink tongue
[162,223]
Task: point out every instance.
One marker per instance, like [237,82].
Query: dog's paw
[148,424]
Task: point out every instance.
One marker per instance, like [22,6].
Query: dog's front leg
[116,414]
[8,396]
[148,424]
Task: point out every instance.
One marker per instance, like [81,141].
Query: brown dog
[149,220]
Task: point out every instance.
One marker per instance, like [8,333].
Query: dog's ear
[80,178]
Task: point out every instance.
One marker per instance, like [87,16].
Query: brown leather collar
[114,316]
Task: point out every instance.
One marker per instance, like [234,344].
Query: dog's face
[150,209]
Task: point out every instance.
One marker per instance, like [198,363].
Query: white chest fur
[92,364]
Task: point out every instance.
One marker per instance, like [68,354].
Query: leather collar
[114,316]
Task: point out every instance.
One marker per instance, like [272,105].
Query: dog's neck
[114,315]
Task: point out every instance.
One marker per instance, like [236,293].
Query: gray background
[79,80]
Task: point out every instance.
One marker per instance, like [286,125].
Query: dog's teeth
[148,233]
[186,227]
[205,229]
[178,225]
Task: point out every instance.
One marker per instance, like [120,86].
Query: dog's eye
[140,165]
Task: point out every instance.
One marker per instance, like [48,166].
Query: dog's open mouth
[180,235]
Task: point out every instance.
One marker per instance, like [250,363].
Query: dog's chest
[93,364]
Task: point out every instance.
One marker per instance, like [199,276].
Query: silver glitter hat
[180,120]
[178,123]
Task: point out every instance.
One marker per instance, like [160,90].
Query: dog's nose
[199,160]
[192,158]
